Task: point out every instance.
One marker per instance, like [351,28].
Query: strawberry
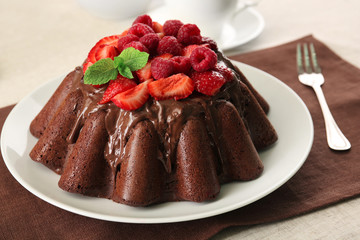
[133,98]
[157,27]
[86,65]
[177,86]
[144,73]
[110,40]
[120,84]
[186,51]
[209,82]
[106,51]
[165,56]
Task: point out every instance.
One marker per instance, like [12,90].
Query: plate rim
[152,220]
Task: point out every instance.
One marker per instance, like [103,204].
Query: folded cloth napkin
[326,177]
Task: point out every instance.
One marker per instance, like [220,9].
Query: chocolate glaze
[162,127]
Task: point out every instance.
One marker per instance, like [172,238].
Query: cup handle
[242,5]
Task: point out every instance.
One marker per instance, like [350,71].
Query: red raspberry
[150,40]
[145,19]
[140,29]
[169,44]
[189,34]
[125,40]
[203,59]
[137,45]
[171,27]
[212,43]
[181,64]
[208,83]
[227,73]
[161,68]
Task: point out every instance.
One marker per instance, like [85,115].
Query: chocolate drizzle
[167,116]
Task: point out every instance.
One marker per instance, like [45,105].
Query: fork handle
[335,138]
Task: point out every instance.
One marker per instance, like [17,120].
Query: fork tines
[314,67]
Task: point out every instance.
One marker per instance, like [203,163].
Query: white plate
[288,114]
[244,27]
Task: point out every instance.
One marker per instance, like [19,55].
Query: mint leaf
[101,72]
[125,71]
[132,58]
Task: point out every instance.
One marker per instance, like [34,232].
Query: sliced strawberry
[110,40]
[106,51]
[133,98]
[157,27]
[120,84]
[144,73]
[165,56]
[177,86]
[209,82]
[188,50]
[86,65]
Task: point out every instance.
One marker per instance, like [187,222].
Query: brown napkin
[327,176]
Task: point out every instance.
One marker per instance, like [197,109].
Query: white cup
[209,15]
[115,9]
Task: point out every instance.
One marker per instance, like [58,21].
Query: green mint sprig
[107,69]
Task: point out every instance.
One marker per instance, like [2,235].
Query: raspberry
[150,40]
[169,44]
[137,45]
[212,44]
[145,19]
[203,59]
[171,27]
[140,29]
[208,83]
[181,64]
[189,34]
[125,40]
[161,68]
[227,73]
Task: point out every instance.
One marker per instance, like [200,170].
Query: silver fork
[311,76]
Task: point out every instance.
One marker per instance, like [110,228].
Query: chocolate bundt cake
[176,145]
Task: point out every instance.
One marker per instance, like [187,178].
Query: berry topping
[120,84]
[133,98]
[145,19]
[157,27]
[212,43]
[86,65]
[181,64]
[165,61]
[161,68]
[169,44]
[171,27]
[109,40]
[125,40]
[203,59]
[140,29]
[144,73]
[227,73]
[186,51]
[137,45]
[177,86]
[106,51]
[150,41]
[189,34]
[208,83]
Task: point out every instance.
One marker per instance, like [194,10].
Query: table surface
[41,40]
